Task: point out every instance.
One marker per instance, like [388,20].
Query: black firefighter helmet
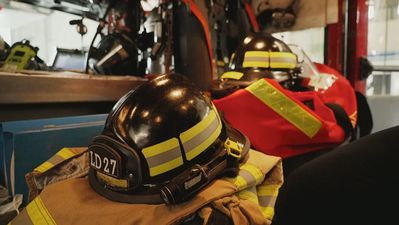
[260,55]
[163,142]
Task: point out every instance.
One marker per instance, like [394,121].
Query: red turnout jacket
[340,92]
[281,122]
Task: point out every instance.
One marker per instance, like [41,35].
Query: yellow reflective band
[43,167]
[260,54]
[283,60]
[38,213]
[268,212]
[112,181]
[282,65]
[165,167]
[249,175]
[204,145]
[248,195]
[220,63]
[66,153]
[268,190]
[255,172]
[162,157]
[196,132]
[60,156]
[198,128]
[160,147]
[232,56]
[240,183]
[256,59]
[353,118]
[232,75]
[285,107]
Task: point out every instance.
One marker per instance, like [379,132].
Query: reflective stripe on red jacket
[278,121]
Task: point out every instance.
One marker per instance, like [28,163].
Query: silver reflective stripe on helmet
[163,156]
[198,138]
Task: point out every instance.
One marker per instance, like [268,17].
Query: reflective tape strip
[220,63]
[353,118]
[284,60]
[268,212]
[267,194]
[163,156]
[249,194]
[65,153]
[38,213]
[285,107]
[112,181]
[56,159]
[232,75]
[198,138]
[267,201]
[232,56]
[43,167]
[249,175]
[256,59]
[268,190]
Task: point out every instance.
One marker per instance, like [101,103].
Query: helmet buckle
[233,148]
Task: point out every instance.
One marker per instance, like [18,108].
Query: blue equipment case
[26,144]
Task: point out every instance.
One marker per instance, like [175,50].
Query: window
[383,47]
[310,40]
[44,28]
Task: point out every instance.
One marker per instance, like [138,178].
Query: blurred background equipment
[70,59]
[139,38]
[21,56]
[276,13]
[92,9]
[117,52]
[4,48]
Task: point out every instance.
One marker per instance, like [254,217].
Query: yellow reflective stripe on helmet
[232,75]
[111,180]
[61,156]
[259,54]
[256,59]
[198,138]
[165,167]
[285,107]
[249,175]
[283,60]
[38,213]
[163,156]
